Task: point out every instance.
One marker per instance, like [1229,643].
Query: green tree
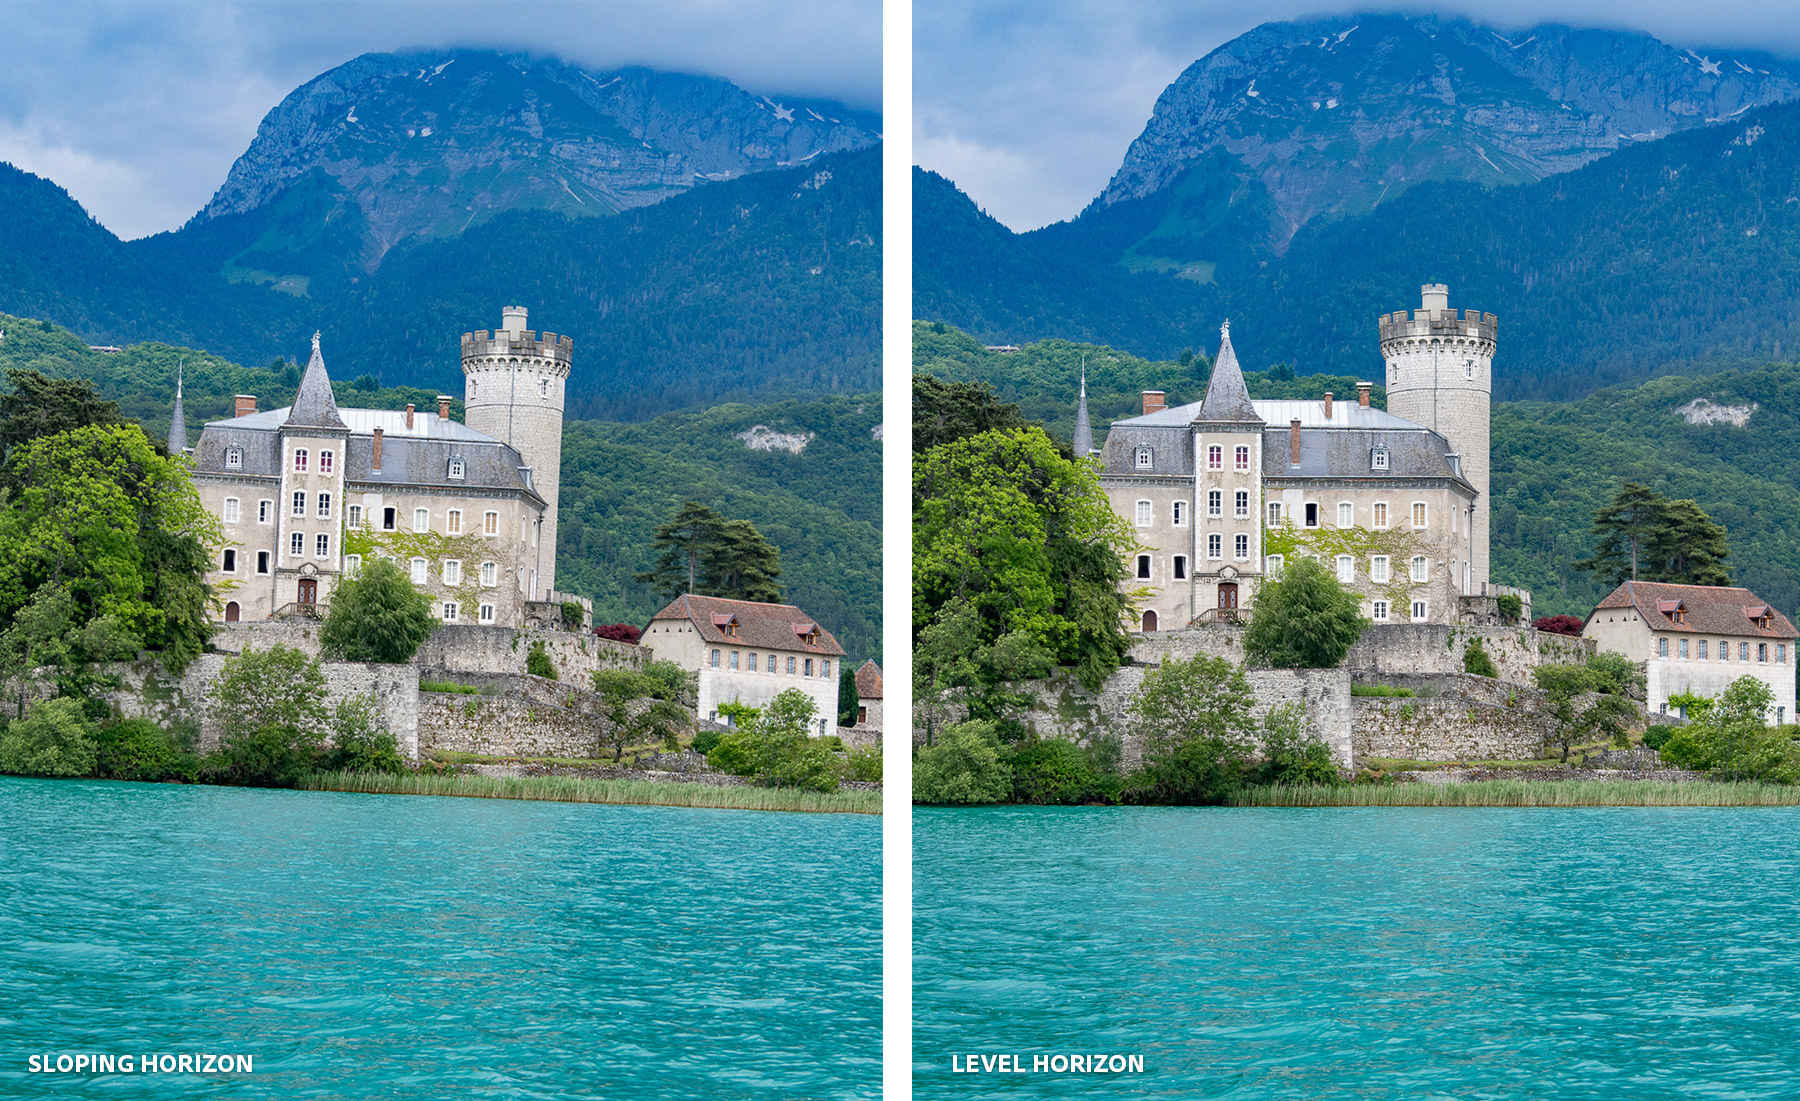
[538,663]
[377,615]
[700,551]
[1622,533]
[775,744]
[269,706]
[636,710]
[359,741]
[1477,661]
[964,767]
[99,515]
[1305,619]
[138,749]
[1688,548]
[1642,535]
[54,738]
[1586,702]
[1291,755]
[1729,737]
[944,412]
[1196,721]
[36,406]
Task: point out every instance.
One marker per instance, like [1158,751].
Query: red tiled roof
[868,681]
[1704,609]
[767,626]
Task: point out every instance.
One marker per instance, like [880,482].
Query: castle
[1221,493]
[307,493]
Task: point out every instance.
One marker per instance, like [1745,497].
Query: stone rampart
[461,648]
[1447,728]
[1416,648]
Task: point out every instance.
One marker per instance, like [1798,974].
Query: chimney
[443,407]
[1362,393]
[1435,297]
[1155,400]
[1328,405]
[243,405]
[1294,442]
[409,413]
[375,462]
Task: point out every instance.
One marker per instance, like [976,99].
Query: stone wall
[1415,648]
[1065,709]
[462,648]
[534,717]
[1446,728]
[145,691]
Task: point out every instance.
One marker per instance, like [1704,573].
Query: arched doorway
[1228,600]
[1150,621]
[231,611]
[309,591]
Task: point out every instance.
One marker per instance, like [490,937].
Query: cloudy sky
[138,107]
[1029,105]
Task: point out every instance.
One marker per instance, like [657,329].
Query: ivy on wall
[470,549]
[1400,544]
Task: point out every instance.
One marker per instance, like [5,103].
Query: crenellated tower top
[514,342]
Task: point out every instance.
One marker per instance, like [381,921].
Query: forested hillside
[1554,463]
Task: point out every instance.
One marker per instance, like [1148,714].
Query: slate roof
[315,406]
[760,626]
[1227,399]
[868,681]
[1413,453]
[1711,609]
[178,421]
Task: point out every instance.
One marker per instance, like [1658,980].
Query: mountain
[1328,117]
[430,143]
[1729,440]
[803,471]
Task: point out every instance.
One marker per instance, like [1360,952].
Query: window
[450,610]
[543,388]
[809,667]
[1378,569]
[1421,568]
[296,544]
[453,522]
[1418,611]
[1724,650]
[325,462]
[1346,514]
[486,613]
[1743,651]
[771,663]
[1380,611]
[1762,651]
[1215,458]
[1143,514]
[790,667]
[452,571]
[1702,654]
[234,458]
[1145,457]
[1240,460]
[1215,546]
[1180,564]
[298,506]
[1240,547]
[456,469]
[734,659]
[324,506]
[421,519]
[1780,652]
[1240,505]
[1178,514]
[751,664]
[1143,567]
[230,512]
[1378,517]
[1346,569]
[1683,648]
[229,565]
[1378,459]
[322,546]
[262,561]
[1662,647]
[1312,514]
[1272,565]
[1274,514]
[490,573]
[1215,503]
[299,459]
[353,518]
[265,511]
[1418,515]
[388,519]
[352,565]
[825,667]
[418,567]
[490,523]
[714,662]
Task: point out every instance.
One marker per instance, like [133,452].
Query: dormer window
[1378,459]
[234,458]
[456,468]
[1676,610]
[1144,458]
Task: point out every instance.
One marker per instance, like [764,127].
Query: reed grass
[1525,793]
[579,789]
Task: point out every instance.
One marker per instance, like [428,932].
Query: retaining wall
[460,647]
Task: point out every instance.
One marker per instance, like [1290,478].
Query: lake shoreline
[615,792]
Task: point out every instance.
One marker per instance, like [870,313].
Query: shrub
[1385,691]
[806,764]
[360,743]
[1290,754]
[1057,771]
[1305,620]
[619,632]
[377,615]
[963,768]
[864,765]
[1727,737]
[448,686]
[737,752]
[138,749]
[1511,606]
[1560,624]
[1656,735]
[705,740]
[571,614]
[54,738]
[271,716]
[538,663]
[1200,772]
[1476,660]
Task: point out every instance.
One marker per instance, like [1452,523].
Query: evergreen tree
[699,551]
[1305,620]
[681,543]
[1622,534]
[1642,535]
[38,406]
[944,412]
[1688,548]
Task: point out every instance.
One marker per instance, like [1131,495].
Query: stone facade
[534,717]
[1451,727]
[748,652]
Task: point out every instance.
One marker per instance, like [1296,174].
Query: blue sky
[1029,106]
[139,107]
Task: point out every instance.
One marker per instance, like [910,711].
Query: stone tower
[513,383]
[1440,373]
[1228,438]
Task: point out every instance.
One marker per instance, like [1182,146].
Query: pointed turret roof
[1084,430]
[314,405]
[178,421]
[1227,399]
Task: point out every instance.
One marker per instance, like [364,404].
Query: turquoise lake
[1361,953]
[387,946]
